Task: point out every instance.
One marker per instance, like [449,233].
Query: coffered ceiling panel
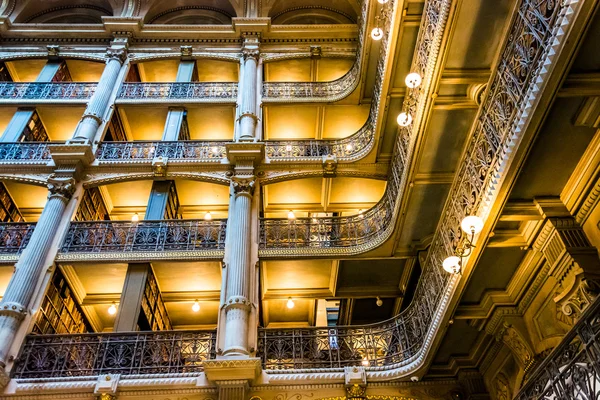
[188,276]
[101,278]
[298,278]
[144,123]
[60,122]
[276,314]
[182,316]
[370,278]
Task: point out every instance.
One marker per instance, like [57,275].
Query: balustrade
[47,90]
[147,236]
[139,150]
[14,236]
[29,151]
[166,352]
[572,370]
[193,91]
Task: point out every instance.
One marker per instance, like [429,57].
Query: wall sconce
[471,225]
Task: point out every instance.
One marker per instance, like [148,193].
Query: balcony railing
[572,370]
[184,150]
[46,90]
[189,91]
[377,345]
[144,236]
[166,352]
[27,151]
[14,236]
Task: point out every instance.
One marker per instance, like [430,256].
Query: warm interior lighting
[365,362]
[315,221]
[360,214]
[291,215]
[413,80]
[452,264]
[404,119]
[288,147]
[382,1]
[112,310]
[472,225]
[377,33]
[135,217]
[196,306]
[379,302]
[349,147]
[208,216]
[215,150]
[290,303]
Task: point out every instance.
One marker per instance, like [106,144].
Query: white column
[98,104]
[239,269]
[31,264]
[248,91]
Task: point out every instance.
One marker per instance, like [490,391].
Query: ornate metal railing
[14,236]
[47,90]
[139,150]
[50,356]
[323,91]
[383,344]
[572,370]
[26,151]
[144,236]
[189,91]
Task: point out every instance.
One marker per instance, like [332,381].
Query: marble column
[239,271]
[22,116]
[98,104]
[248,91]
[31,264]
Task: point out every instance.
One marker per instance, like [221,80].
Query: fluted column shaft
[248,90]
[30,266]
[96,108]
[239,271]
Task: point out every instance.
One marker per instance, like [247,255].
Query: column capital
[243,185]
[61,187]
[118,54]
[250,48]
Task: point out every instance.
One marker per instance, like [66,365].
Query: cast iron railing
[141,150]
[14,236]
[47,90]
[25,151]
[146,236]
[376,345]
[159,91]
[167,352]
[572,370]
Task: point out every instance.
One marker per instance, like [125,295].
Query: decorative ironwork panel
[92,206]
[193,91]
[147,236]
[9,212]
[572,370]
[47,90]
[14,237]
[49,356]
[28,151]
[183,150]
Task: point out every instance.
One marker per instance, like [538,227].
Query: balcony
[25,152]
[36,92]
[14,237]
[167,352]
[185,92]
[126,240]
[200,151]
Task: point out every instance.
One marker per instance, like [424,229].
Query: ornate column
[97,106]
[248,90]
[31,264]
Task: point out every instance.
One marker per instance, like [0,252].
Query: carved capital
[159,166]
[243,185]
[250,48]
[578,293]
[316,52]
[118,53]
[356,391]
[186,52]
[355,379]
[106,396]
[61,187]
[53,50]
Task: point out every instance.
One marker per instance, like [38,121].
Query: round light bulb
[290,303]
[377,33]
[315,221]
[379,302]
[382,1]
[196,306]
[135,217]
[404,119]
[112,310]
[413,80]
[288,147]
[215,150]
[349,147]
[365,362]
[452,264]
[208,216]
[472,224]
[291,215]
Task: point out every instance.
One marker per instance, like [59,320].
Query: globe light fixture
[365,362]
[215,150]
[404,119]
[377,33]
[208,216]
[382,1]
[452,264]
[413,80]
[288,147]
[290,303]
[112,310]
[291,215]
[379,302]
[135,217]
[349,147]
[196,306]
[472,224]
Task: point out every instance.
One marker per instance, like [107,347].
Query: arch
[312,15]
[94,180]
[64,12]
[41,180]
[200,15]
